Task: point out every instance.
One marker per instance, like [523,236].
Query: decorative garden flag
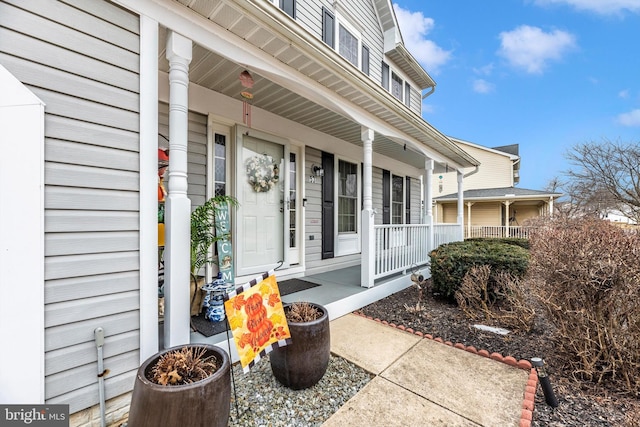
[256,319]
[225,254]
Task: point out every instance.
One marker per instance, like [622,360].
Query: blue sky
[545,74]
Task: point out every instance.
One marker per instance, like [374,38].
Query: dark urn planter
[302,363]
[199,404]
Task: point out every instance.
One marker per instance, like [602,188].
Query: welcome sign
[225,253]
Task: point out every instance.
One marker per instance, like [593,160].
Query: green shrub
[586,273]
[523,243]
[450,262]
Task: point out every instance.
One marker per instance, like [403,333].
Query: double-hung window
[348,45]
[344,37]
[288,6]
[397,199]
[396,86]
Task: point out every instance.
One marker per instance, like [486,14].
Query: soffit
[212,70]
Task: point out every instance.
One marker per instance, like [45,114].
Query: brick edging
[528,402]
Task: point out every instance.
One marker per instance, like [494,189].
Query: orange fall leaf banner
[256,319]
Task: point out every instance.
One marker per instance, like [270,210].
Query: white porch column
[550,206]
[469,204]
[177,205]
[461,204]
[428,200]
[507,216]
[368,254]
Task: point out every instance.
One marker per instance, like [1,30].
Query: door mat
[208,328]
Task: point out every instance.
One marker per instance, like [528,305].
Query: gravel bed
[263,401]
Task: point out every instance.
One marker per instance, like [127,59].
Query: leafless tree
[605,176]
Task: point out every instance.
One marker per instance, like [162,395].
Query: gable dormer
[395,49]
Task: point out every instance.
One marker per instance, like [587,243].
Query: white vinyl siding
[90,87]
[416,202]
[313,210]
[487,214]
[309,15]
[377,195]
[496,171]
[196,152]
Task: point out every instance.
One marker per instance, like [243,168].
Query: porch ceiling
[271,33]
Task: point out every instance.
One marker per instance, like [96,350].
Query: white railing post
[460,218]
[178,205]
[368,251]
[428,200]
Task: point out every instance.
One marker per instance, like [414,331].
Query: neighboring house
[620,216]
[92,89]
[491,204]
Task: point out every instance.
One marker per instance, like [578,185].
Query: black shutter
[407,94]
[328,27]
[385,76]
[328,194]
[365,60]
[289,7]
[386,197]
[407,203]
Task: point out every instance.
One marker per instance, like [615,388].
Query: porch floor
[339,292]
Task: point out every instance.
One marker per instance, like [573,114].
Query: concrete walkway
[423,382]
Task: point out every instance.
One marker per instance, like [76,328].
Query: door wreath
[262,173]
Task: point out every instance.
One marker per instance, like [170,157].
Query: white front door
[261,191]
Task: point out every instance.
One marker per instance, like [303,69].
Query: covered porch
[340,291]
[198,61]
[343,291]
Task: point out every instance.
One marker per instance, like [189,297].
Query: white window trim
[347,243]
[341,14]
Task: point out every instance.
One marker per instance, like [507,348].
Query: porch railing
[446,233]
[497,231]
[399,247]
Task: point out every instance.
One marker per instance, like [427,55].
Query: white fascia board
[481,147]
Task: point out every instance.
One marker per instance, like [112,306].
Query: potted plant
[186,385]
[203,237]
[303,363]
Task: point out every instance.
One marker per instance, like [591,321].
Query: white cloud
[632,118]
[602,7]
[427,108]
[414,27]
[482,86]
[485,70]
[624,94]
[531,49]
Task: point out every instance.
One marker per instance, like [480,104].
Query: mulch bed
[581,403]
